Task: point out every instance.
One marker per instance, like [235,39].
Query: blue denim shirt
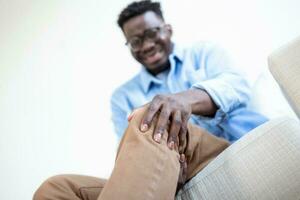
[204,66]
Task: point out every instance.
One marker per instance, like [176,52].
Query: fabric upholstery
[265,164]
[284,65]
[262,165]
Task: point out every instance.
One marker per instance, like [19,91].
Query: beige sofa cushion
[284,65]
[264,164]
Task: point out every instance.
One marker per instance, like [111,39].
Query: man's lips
[152,57]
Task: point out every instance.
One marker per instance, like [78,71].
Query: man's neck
[161,69]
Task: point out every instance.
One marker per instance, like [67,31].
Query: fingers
[176,124]
[183,134]
[183,172]
[161,124]
[182,139]
[153,108]
[167,109]
[183,165]
[131,115]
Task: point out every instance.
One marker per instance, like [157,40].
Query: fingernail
[157,137]
[144,127]
[129,117]
[171,145]
[182,158]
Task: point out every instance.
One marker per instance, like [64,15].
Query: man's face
[150,41]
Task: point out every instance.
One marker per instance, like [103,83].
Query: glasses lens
[149,35]
[135,43]
[152,33]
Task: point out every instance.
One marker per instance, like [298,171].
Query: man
[200,80]
[196,84]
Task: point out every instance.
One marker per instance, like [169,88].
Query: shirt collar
[147,78]
[177,53]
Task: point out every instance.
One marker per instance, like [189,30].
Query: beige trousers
[143,169]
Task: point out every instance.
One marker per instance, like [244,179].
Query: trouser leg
[145,169]
[70,187]
[202,147]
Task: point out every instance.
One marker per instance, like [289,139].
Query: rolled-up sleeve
[223,82]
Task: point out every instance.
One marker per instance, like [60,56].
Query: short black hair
[137,8]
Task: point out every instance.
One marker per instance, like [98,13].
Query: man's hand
[182,161]
[173,112]
[182,173]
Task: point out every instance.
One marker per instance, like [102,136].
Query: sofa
[265,163]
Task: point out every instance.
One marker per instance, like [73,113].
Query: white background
[60,61]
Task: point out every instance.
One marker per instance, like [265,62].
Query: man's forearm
[201,103]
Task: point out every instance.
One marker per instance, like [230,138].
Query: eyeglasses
[151,34]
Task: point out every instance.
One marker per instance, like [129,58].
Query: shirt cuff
[223,96]
[217,119]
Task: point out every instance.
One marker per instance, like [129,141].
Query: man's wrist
[200,102]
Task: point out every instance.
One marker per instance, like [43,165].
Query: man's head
[147,35]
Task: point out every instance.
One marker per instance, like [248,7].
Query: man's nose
[147,45]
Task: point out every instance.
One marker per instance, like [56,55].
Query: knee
[48,187]
[136,122]
[133,132]
[138,115]
[134,128]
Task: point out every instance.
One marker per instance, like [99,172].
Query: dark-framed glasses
[151,34]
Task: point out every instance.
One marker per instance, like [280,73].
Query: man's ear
[169,29]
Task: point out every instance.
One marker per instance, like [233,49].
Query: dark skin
[173,110]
